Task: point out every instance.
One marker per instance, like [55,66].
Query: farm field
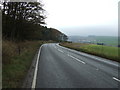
[108,40]
[98,50]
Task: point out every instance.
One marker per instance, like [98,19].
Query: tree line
[25,21]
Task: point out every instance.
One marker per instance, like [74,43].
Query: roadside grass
[98,50]
[17,58]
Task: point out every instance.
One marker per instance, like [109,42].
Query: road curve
[60,67]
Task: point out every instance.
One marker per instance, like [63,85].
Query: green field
[98,50]
[104,51]
[108,40]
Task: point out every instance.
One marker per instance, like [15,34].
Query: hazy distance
[83,17]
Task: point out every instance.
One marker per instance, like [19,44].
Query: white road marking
[36,70]
[116,79]
[76,59]
[60,50]
[55,47]
[91,56]
[97,69]
[57,44]
[68,54]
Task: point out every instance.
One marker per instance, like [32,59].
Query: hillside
[107,40]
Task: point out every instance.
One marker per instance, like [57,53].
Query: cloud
[81,13]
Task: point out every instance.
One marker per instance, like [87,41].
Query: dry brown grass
[17,58]
[8,51]
[74,45]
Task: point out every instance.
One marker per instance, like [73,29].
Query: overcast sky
[83,17]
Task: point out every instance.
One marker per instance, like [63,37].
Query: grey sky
[83,17]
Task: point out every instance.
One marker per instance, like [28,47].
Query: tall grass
[17,58]
[98,50]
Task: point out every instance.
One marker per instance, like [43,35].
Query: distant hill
[107,40]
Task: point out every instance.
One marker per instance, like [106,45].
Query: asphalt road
[60,67]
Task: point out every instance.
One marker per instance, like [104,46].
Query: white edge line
[36,69]
[116,79]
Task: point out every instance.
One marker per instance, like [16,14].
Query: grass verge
[98,50]
[17,58]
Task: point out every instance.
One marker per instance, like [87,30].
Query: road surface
[60,67]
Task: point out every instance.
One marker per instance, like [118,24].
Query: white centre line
[97,69]
[116,79]
[76,59]
[60,50]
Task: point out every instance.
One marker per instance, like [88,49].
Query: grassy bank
[98,50]
[17,58]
